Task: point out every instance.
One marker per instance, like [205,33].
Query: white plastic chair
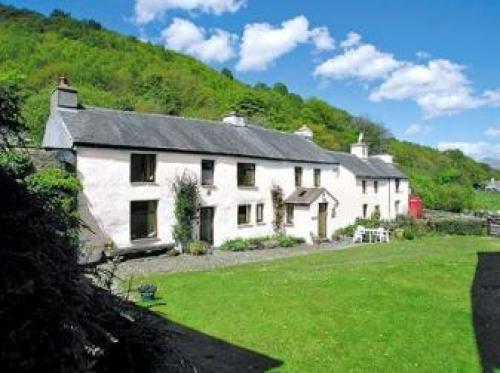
[359,234]
[382,235]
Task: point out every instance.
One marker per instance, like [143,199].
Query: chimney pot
[63,82]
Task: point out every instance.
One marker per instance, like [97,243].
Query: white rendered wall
[107,193]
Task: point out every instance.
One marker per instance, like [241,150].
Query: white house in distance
[127,163]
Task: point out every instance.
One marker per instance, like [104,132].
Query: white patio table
[371,233]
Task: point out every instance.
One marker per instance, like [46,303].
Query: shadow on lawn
[485,294]
[210,354]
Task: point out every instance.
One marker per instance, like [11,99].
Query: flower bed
[266,242]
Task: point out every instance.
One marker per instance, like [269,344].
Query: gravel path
[186,263]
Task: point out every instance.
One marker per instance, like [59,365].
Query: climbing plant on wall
[186,196]
[278,207]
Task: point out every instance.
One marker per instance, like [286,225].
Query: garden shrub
[60,189]
[287,241]
[18,163]
[266,242]
[458,225]
[198,247]
[270,243]
[346,231]
[238,244]
[409,234]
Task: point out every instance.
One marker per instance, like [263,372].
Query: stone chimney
[360,149]
[304,132]
[234,119]
[64,96]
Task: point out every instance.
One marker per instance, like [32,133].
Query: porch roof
[306,196]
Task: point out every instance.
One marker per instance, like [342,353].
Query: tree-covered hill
[118,71]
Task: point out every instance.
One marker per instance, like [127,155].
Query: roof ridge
[139,113]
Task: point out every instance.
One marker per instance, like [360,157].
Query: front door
[207,224]
[322,219]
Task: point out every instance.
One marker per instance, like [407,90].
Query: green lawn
[487,201]
[403,306]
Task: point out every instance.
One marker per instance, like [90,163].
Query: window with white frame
[259,213]
[244,212]
[246,174]
[143,220]
[317,177]
[289,213]
[365,210]
[207,172]
[142,168]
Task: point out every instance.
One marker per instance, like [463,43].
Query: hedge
[459,225]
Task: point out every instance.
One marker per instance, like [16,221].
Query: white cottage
[127,163]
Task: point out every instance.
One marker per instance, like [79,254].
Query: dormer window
[142,168]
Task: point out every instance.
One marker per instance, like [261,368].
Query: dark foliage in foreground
[52,318]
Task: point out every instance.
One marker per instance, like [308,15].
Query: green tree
[281,88]
[11,120]
[227,73]
[250,105]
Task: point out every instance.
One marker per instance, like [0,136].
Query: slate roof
[305,196]
[371,167]
[100,127]
[113,128]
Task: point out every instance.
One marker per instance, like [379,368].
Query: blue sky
[428,70]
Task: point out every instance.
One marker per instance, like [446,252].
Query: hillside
[117,71]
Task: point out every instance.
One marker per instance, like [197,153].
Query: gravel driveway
[186,263]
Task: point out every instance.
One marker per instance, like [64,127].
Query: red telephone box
[415,207]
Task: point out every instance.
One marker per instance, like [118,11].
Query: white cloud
[439,88]
[477,150]
[416,129]
[352,39]
[322,39]
[184,36]
[149,10]
[492,98]
[423,55]
[263,43]
[364,62]
[493,131]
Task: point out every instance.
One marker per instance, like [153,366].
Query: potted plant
[147,291]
